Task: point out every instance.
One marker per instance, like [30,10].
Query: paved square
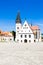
[21,53]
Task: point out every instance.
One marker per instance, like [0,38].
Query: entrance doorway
[25,41]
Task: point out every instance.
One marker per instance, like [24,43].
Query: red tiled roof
[34,27]
[5,34]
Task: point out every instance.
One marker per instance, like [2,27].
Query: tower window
[17,27]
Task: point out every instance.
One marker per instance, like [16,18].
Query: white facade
[24,34]
[6,38]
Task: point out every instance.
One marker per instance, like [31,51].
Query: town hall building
[26,33]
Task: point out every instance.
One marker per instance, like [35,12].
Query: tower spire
[18,19]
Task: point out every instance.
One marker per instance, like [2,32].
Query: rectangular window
[21,40]
[17,39]
[29,40]
[21,36]
[10,39]
[25,36]
[29,36]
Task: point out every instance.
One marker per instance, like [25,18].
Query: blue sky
[32,10]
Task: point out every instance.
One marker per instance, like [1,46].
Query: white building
[26,33]
[6,36]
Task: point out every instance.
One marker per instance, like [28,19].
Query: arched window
[29,36]
[25,36]
[21,36]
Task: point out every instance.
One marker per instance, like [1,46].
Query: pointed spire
[18,19]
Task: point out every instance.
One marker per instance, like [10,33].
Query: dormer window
[29,30]
[25,24]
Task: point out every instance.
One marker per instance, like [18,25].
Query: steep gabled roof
[26,28]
